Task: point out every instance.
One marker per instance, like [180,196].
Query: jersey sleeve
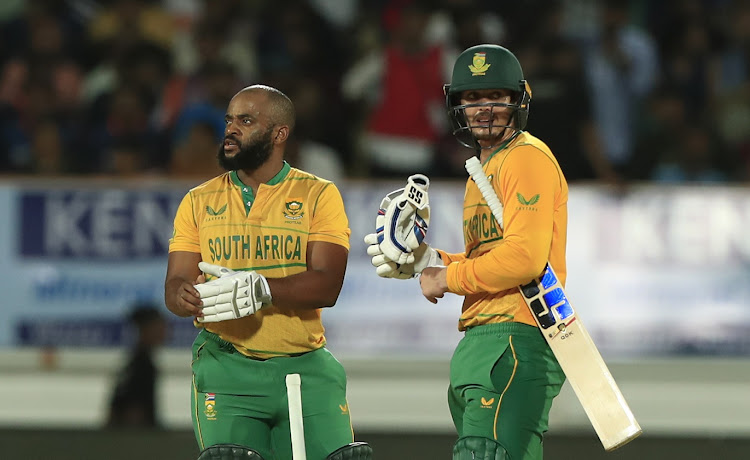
[185,231]
[329,222]
[448,257]
[527,181]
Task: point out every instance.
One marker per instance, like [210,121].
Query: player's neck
[490,147]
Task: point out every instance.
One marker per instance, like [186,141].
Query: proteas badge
[293,209]
[479,64]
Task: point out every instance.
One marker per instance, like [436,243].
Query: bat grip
[474,168]
[296,428]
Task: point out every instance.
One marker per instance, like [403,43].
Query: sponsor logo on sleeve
[527,204]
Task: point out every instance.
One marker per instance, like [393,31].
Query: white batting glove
[424,256]
[403,218]
[232,294]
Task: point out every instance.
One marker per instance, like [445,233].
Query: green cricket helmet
[485,67]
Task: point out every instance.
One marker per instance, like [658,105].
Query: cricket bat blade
[581,361]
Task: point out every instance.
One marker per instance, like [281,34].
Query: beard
[489,134]
[249,157]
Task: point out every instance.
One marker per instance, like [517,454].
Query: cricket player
[503,375]
[256,254]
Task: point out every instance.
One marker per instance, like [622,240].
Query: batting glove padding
[424,256]
[232,294]
[403,218]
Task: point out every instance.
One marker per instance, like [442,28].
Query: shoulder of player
[299,174]
[219,182]
[315,185]
[529,149]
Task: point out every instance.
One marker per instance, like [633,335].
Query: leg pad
[229,452]
[353,451]
[476,448]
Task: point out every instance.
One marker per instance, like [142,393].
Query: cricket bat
[571,343]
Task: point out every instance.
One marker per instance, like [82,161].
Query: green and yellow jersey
[530,184]
[223,221]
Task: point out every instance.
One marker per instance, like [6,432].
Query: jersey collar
[247,192]
[280,176]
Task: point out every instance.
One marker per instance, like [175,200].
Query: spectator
[402,87]
[133,399]
[562,110]
[220,31]
[47,150]
[123,22]
[658,139]
[695,160]
[562,114]
[307,148]
[19,120]
[378,67]
[127,157]
[125,119]
[732,110]
[218,82]
[315,158]
[622,69]
[190,158]
[299,47]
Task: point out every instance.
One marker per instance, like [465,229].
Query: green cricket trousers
[503,380]
[240,400]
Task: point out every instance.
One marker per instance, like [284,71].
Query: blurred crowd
[640,90]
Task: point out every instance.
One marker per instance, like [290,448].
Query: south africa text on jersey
[481,227]
[258,247]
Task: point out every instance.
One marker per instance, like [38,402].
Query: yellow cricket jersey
[530,184]
[223,221]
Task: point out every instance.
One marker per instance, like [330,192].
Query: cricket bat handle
[296,426]
[474,168]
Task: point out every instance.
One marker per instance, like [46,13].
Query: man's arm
[317,287]
[180,296]
[529,181]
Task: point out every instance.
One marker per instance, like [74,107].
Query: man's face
[487,122]
[248,136]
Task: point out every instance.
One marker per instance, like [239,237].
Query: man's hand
[187,300]
[424,256]
[180,295]
[232,294]
[434,283]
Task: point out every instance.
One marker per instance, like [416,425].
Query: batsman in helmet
[503,376]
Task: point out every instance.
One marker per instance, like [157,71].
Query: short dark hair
[282,108]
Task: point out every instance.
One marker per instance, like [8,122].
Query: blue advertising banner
[96,224]
[656,271]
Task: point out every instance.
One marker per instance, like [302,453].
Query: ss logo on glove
[397,247]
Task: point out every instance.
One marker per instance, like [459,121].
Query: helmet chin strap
[501,139]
